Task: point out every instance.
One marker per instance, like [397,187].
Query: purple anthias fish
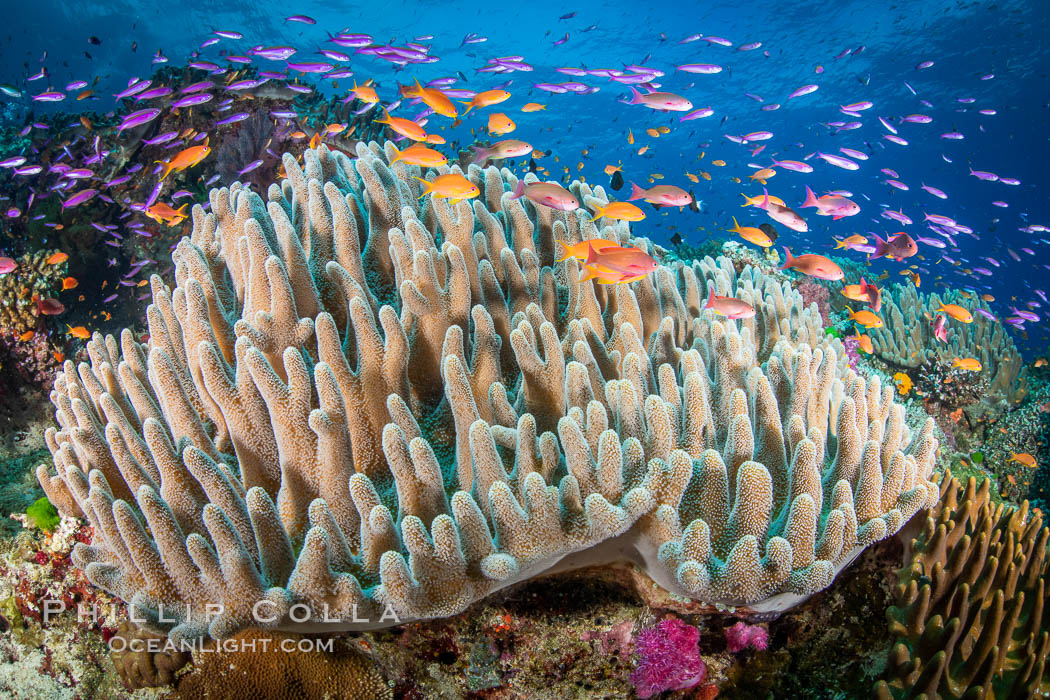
[934,191]
[701,68]
[940,219]
[839,161]
[162,91]
[804,90]
[134,89]
[233,118]
[311,67]
[984,175]
[138,118]
[79,198]
[250,167]
[273,53]
[197,87]
[246,84]
[191,100]
[897,216]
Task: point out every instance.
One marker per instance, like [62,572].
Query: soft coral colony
[353,402]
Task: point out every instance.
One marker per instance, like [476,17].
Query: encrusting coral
[360,406]
[906,338]
[970,613]
[33,276]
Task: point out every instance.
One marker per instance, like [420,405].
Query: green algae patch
[43,515]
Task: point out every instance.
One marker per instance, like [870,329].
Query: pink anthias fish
[661,101]
[548,194]
[898,246]
[730,307]
[813,265]
[830,205]
[940,328]
[662,195]
[629,263]
[782,214]
[7,265]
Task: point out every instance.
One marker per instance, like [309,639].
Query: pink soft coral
[668,658]
[742,635]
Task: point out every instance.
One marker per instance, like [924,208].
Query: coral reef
[505,421]
[32,277]
[142,659]
[281,666]
[48,649]
[969,612]
[906,339]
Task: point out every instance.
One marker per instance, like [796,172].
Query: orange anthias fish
[57,258]
[968,363]
[752,234]
[433,98]
[730,307]
[500,123]
[813,265]
[763,175]
[185,158]
[163,213]
[418,154]
[453,187]
[78,332]
[48,307]
[1024,458]
[69,283]
[628,262]
[487,99]
[406,127]
[366,93]
[532,107]
[580,250]
[957,312]
[622,211]
[865,292]
[757,201]
[27,336]
[864,318]
[864,343]
[850,242]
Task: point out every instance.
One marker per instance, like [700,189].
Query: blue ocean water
[853,51]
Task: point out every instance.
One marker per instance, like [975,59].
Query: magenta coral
[668,658]
[742,635]
[852,343]
[815,293]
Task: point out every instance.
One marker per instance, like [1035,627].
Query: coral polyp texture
[353,402]
[906,339]
[971,604]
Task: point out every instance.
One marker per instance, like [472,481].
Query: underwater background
[886,379]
